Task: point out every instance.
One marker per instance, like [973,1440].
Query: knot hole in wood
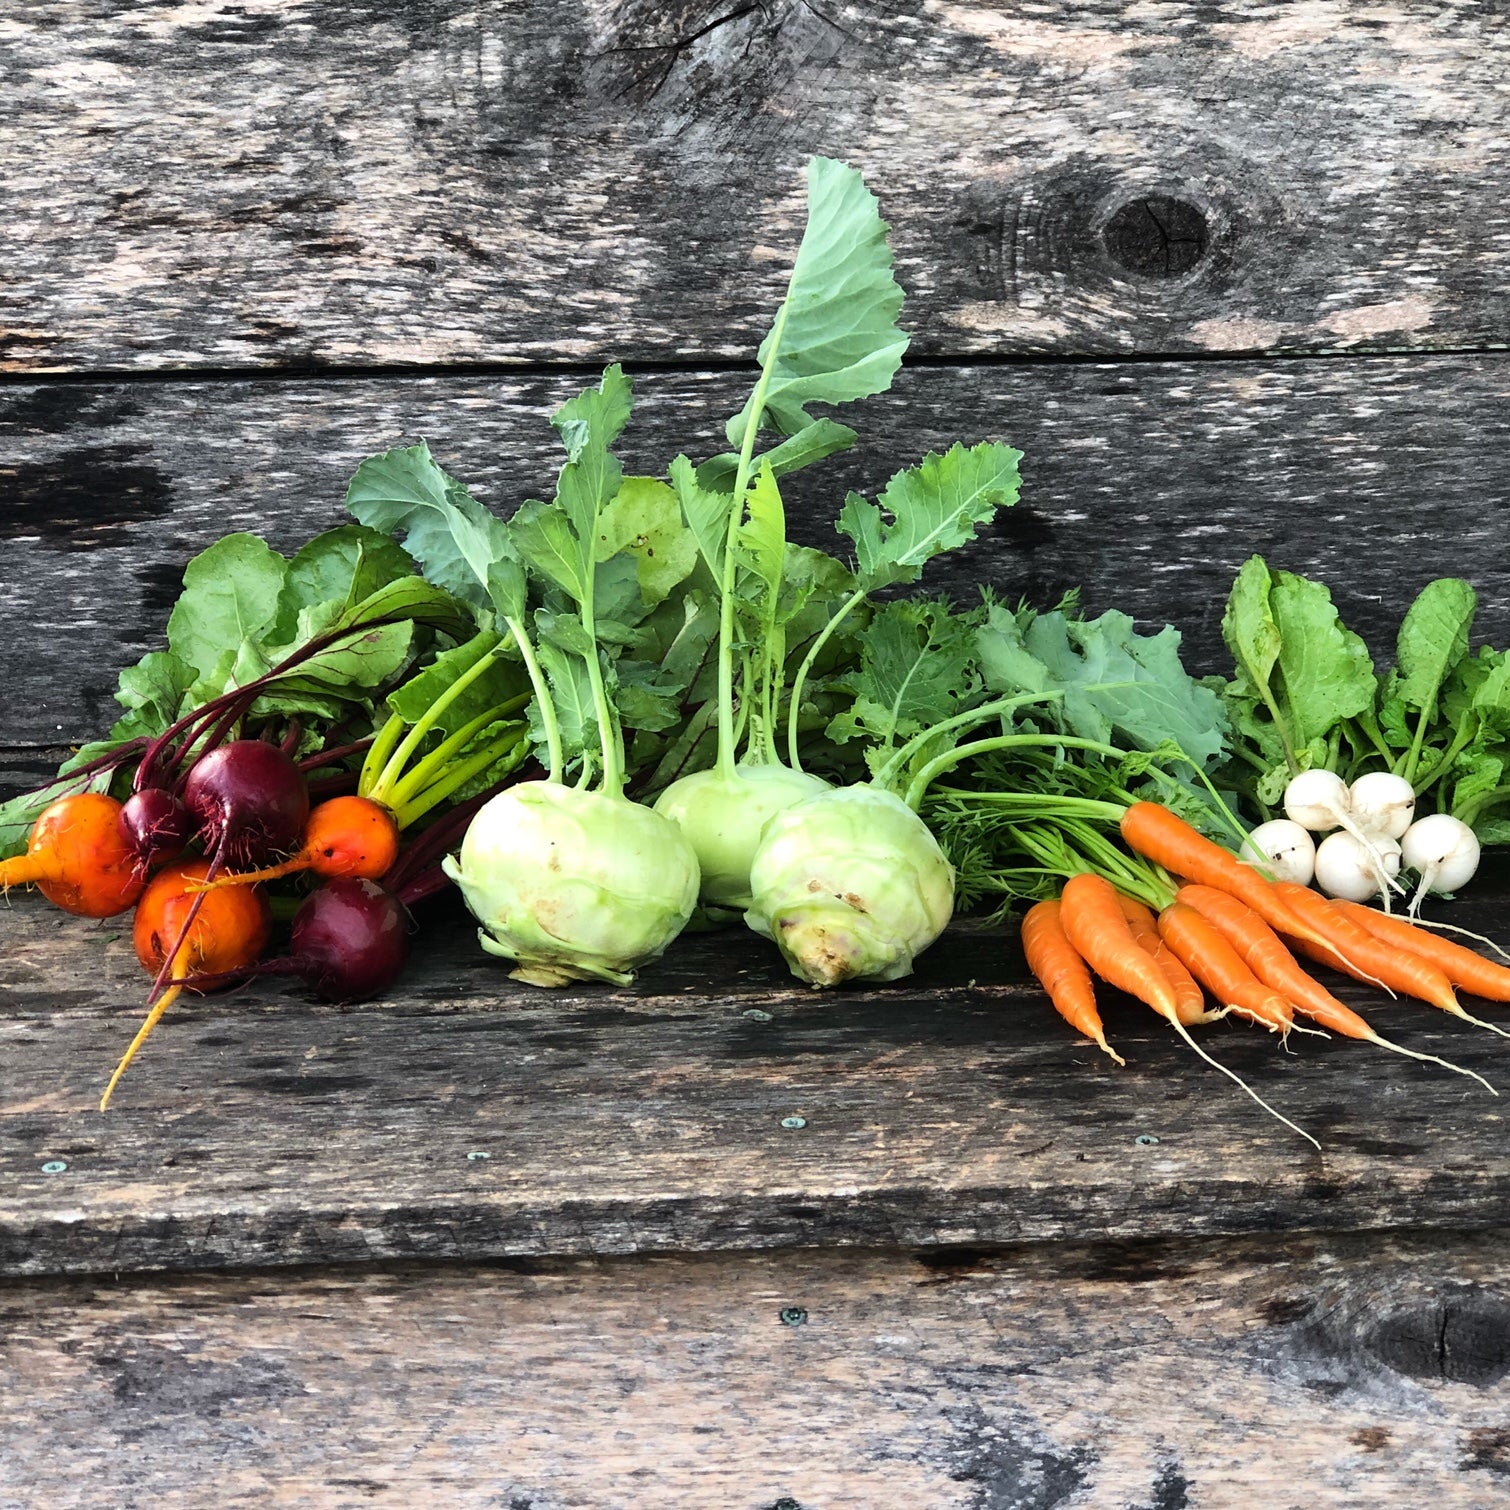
[1156,236]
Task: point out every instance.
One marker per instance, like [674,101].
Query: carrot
[1264,953]
[1095,924]
[1217,965]
[1062,973]
[78,858]
[1166,839]
[1372,959]
[1093,921]
[1466,970]
[346,836]
[1188,994]
[229,930]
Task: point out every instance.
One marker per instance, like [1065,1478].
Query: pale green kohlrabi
[569,882]
[834,339]
[574,885]
[850,884]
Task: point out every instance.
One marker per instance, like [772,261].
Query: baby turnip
[1350,868]
[1381,803]
[1317,800]
[1443,851]
[1282,848]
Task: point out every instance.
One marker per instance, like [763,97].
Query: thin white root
[1106,1048]
[1233,1075]
[1479,1022]
[1466,932]
[1446,1064]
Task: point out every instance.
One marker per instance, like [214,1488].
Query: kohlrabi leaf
[706,513]
[927,509]
[1327,673]
[916,670]
[458,543]
[588,425]
[230,598]
[644,520]
[572,700]
[812,443]
[1433,639]
[835,337]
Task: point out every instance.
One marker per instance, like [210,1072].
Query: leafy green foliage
[933,507]
[835,337]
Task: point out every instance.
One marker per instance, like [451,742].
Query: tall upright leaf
[835,337]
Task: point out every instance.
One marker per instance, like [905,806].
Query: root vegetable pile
[605,713]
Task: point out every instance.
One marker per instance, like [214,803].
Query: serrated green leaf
[706,513]
[927,509]
[460,545]
[824,437]
[835,337]
[916,670]
[644,520]
[1326,670]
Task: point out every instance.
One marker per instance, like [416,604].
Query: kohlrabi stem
[608,729]
[410,811]
[726,744]
[813,650]
[542,698]
[393,770]
[974,715]
[379,751]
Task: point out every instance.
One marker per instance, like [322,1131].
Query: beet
[156,825]
[350,939]
[250,802]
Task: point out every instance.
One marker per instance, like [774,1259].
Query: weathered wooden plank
[1311,1372]
[277,182]
[1146,484]
[951,1108]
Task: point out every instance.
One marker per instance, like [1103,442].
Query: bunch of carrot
[1224,929]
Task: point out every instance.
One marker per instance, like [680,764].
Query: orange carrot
[1166,839]
[346,836]
[1093,921]
[1188,994]
[1365,956]
[1468,971]
[78,858]
[1218,966]
[1264,953]
[1062,973]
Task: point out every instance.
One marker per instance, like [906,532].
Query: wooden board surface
[274,182]
[1147,485]
[466,1117]
[1308,1373]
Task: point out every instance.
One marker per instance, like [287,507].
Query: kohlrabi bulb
[851,885]
[574,885]
[723,817]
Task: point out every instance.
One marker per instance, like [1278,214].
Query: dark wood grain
[1291,1374]
[954,1107]
[373,182]
[1146,484]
